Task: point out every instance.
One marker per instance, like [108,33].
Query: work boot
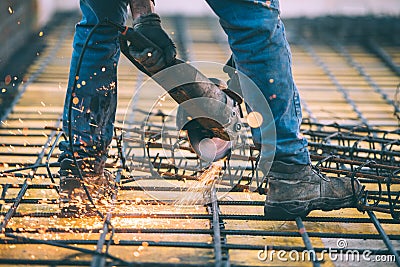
[295,190]
[74,200]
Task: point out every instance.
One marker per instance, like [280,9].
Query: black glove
[153,60]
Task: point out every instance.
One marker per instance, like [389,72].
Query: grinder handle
[138,40]
[141,42]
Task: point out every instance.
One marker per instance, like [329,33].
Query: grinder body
[210,116]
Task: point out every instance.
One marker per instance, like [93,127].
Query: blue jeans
[95,98]
[257,39]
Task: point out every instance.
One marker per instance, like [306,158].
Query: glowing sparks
[75,100]
[10,10]
[199,192]
[41,34]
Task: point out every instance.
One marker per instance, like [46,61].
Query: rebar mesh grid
[230,231]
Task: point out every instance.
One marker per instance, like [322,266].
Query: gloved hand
[153,60]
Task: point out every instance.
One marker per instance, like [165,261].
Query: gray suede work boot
[295,190]
[73,198]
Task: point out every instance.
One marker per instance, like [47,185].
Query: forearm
[141,7]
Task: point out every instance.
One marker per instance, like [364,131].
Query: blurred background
[20,18]
[289,8]
[25,24]
[35,14]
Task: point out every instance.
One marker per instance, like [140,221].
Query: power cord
[126,33]
[69,116]
[70,136]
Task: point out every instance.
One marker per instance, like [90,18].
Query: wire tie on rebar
[318,171]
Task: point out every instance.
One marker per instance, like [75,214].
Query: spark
[103,69]
[3,90]
[10,10]
[41,34]
[7,79]
[43,104]
[271,80]
[75,100]
[198,193]
[149,54]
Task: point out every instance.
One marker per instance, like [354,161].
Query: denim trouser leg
[257,39]
[95,98]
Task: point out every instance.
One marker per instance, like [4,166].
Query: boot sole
[292,209]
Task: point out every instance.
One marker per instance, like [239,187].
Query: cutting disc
[209,149]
